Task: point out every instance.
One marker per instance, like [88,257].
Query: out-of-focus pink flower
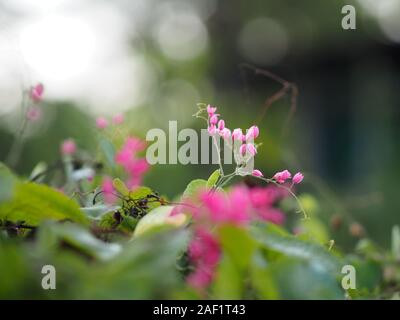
[34,114]
[225,133]
[298,178]
[200,279]
[108,190]
[221,125]
[101,123]
[271,214]
[118,119]
[251,149]
[252,133]
[214,119]
[212,129]
[264,197]
[282,176]
[237,134]
[68,147]
[204,253]
[127,157]
[257,173]
[36,92]
[219,208]
[211,110]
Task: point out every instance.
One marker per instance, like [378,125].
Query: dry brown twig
[287,88]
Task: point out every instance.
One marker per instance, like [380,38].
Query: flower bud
[221,125]
[251,149]
[257,173]
[297,178]
[237,134]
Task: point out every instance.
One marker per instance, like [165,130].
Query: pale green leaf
[212,180]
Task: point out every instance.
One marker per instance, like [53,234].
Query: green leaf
[98,211]
[7,182]
[396,242]
[34,203]
[145,269]
[121,188]
[368,276]
[193,188]
[228,283]
[314,229]
[128,224]
[39,169]
[302,279]
[212,180]
[261,278]
[76,236]
[156,218]
[109,152]
[140,193]
[291,246]
[238,244]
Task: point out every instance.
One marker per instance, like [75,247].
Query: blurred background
[154,60]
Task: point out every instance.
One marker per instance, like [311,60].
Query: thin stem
[223,180]
[219,156]
[291,193]
[227,180]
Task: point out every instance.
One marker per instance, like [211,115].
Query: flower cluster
[242,144]
[239,207]
[282,176]
[134,166]
[204,253]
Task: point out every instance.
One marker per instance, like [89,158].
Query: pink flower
[68,147]
[108,190]
[225,133]
[127,157]
[257,173]
[221,125]
[298,177]
[211,110]
[264,197]
[200,278]
[34,114]
[237,134]
[271,214]
[251,149]
[220,208]
[118,119]
[36,92]
[212,129]
[101,123]
[204,253]
[214,119]
[242,149]
[252,133]
[282,176]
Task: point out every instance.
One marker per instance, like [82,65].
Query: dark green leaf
[34,203]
